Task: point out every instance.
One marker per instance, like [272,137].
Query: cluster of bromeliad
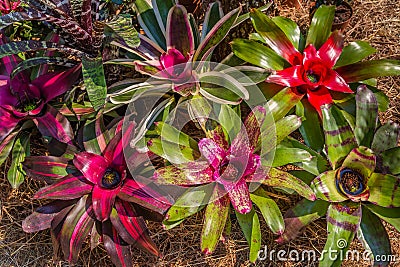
[103,171]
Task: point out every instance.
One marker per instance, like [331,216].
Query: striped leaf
[384,190]
[366,116]
[37,61]
[339,137]
[361,160]
[216,34]
[148,21]
[300,216]
[94,80]
[343,222]
[325,187]
[123,30]
[386,137]
[161,9]
[213,15]
[21,149]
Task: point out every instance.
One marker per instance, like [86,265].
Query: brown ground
[376,21]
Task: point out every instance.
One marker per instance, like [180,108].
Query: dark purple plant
[22,99]
[97,199]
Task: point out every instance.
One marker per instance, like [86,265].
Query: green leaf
[321,25]
[366,116]
[301,215]
[274,36]
[282,102]
[325,187]
[225,81]
[384,190]
[173,152]
[149,23]
[290,28]
[369,69]
[390,215]
[21,149]
[246,16]
[354,52]
[214,220]
[258,54]
[220,95]
[339,137]
[278,178]
[213,15]
[216,34]
[286,126]
[189,203]
[386,137]
[316,165]
[121,29]
[310,128]
[285,155]
[250,225]
[391,160]
[374,237]
[173,135]
[343,223]
[230,121]
[269,209]
[161,9]
[361,160]
[94,80]
[383,100]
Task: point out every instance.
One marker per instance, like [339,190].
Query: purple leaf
[118,250]
[54,124]
[212,152]
[69,187]
[179,33]
[147,195]
[75,229]
[127,221]
[54,84]
[47,168]
[41,219]
[7,123]
[240,197]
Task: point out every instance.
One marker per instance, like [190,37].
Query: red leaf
[289,77]
[103,201]
[319,97]
[69,187]
[92,166]
[330,51]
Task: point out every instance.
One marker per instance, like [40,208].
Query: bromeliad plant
[84,33]
[318,66]
[173,52]
[25,98]
[96,196]
[358,191]
[229,167]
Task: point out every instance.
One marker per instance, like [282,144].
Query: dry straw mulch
[375,21]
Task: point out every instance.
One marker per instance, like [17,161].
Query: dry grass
[375,21]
